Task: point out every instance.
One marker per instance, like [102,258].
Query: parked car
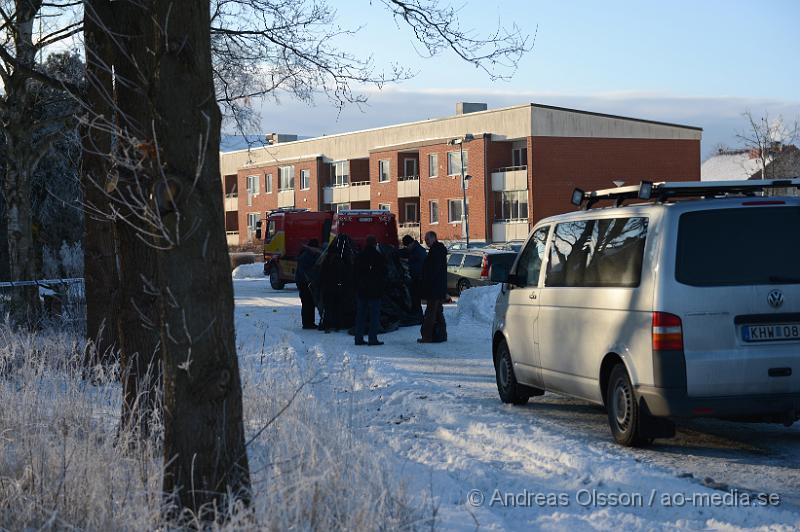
[664,310]
[469,268]
[513,245]
[462,244]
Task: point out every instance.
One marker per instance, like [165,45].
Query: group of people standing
[428,272]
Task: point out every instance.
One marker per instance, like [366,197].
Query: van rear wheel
[624,414]
[507,386]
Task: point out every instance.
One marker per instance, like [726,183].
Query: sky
[701,63]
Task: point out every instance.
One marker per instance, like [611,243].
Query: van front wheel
[275,279]
[507,386]
[624,414]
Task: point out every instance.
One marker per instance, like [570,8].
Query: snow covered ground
[433,411]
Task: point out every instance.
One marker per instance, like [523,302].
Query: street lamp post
[460,142]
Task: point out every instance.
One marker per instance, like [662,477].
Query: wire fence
[62,299]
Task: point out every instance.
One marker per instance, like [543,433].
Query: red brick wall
[559,164]
[307,199]
[444,187]
[359,170]
[383,192]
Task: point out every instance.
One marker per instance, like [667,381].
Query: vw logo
[775,298]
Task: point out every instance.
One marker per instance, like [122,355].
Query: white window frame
[388,166]
[457,156]
[285,178]
[342,207]
[253,185]
[431,203]
[251,229]
[384,206]
[450,202]
[268,183]
[433,164]
[305,179]
[341,173]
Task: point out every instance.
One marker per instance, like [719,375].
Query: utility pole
[460,142]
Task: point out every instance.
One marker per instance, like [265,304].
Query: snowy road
[435,407]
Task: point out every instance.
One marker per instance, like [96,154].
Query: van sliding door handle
[532,296]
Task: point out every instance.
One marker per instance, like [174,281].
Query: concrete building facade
[523,161]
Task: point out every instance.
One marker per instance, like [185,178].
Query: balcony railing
[511,168]
[408,178]
[232,195]
[405,225]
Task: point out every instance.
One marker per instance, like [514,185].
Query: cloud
[719,116]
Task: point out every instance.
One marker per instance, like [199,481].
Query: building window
[412,213]
[383,170]
[453,159]
[511,205]
[305,179]
[252,185]
[384,206]
[341,173]
[519,156]
[285,177]
[433,164]
[269,184]
[410,167]
[342,207]
[252,221]
[433,207]
[455,211]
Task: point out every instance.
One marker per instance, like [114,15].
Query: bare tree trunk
[22,160]
[204,447]
[176,289]
[101,276]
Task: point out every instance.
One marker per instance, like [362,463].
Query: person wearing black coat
[371,285]
[305,262]
[434,290]
[415,254]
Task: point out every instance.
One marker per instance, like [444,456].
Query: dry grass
[64,465]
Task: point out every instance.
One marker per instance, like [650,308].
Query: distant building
[524,162]
[783,162]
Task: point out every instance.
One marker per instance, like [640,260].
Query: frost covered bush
[66,263]
[65,464]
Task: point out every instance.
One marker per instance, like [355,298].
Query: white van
[684,306]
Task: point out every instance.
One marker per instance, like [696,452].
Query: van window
[530,260]
[455,259]
[597,253]
[472,261]
[744,246]
[271,229]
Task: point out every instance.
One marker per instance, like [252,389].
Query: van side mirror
[498,273]
[258,234]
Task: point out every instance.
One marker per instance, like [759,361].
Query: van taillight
[667,332]
[485,267]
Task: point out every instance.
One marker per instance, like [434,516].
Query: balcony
[232,201]
[232,237]
[408,186]
[506,230]
[286,198]
[510,178]
[346,192]
[409,228]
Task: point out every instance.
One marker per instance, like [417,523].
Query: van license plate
[771,333]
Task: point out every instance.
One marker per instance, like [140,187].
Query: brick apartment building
[523,161]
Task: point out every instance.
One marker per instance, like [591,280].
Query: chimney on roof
[275,138]
[463,108]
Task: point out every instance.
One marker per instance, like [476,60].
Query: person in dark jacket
[305,262]
[371,279]
[415,254]
[434,290]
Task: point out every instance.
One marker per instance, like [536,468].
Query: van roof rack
[661,192]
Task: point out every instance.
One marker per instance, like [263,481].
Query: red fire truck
[288,230]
